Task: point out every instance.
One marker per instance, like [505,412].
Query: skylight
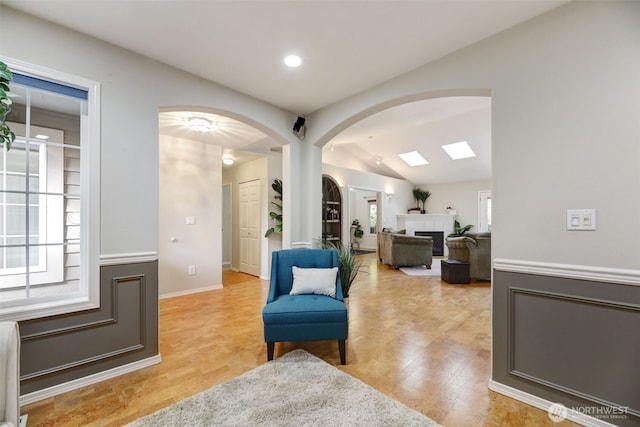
[413,158]
[459,150]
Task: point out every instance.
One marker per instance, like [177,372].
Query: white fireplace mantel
[426,222]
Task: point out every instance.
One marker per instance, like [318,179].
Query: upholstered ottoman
[453,271]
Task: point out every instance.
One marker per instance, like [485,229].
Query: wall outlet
[191,270]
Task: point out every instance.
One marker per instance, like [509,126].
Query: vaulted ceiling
[346,48]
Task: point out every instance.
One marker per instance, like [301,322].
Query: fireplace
[438,241]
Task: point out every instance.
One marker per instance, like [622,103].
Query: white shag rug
[421,270]
[294,390]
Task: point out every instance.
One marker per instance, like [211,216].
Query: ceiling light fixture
[459,150]
[200,124]
[293,61]
[378,160]
[227,161]
[42,136]
[413,158]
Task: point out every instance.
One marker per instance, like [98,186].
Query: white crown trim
[570,271]
[131,258]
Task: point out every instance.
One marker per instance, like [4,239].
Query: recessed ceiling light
[459,150]
[293,61]
[413,158]
[227,161]
[42,136]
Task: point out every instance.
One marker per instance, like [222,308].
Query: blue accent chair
[307,317]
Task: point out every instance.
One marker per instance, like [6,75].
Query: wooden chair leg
[343,352]
[270,347]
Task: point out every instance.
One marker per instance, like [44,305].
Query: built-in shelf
[331,210]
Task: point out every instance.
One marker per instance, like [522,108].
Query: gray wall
[190,185]
[462,196]
[133,91]
[564,89]
[565,129]
[123,330]
[568,340]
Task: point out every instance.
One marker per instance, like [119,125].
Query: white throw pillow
[320,281]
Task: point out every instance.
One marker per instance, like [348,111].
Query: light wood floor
[421,341]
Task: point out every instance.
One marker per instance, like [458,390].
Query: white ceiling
[423,126]
[347,46]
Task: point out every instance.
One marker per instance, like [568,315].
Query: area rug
[297,389]
[421,270]
[362,251]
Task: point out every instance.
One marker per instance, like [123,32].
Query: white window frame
[484,214]
[88,297]
[51,258]
[372,203]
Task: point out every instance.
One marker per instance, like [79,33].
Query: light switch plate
[581,219]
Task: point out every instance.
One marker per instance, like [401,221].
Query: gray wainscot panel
[570,341]
[58,349]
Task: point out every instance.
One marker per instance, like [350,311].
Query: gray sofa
[474,248]
[400,250]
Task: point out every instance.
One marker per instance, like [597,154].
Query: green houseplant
[358,232]
[276,216]
[6,135]
[459,231]
[421,196]
[348,264]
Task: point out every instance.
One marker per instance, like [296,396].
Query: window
[484,210]
[373,216]
[49,183]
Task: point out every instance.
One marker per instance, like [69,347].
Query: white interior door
[250,227]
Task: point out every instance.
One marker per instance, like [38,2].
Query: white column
[302,192]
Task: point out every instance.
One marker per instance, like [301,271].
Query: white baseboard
[190,291]
[540,403]
[55,390]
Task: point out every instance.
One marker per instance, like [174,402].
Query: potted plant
[459,231]
[6,135]
[420,196]
[357,232]
[277,215]
[416,197]
[348,264]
